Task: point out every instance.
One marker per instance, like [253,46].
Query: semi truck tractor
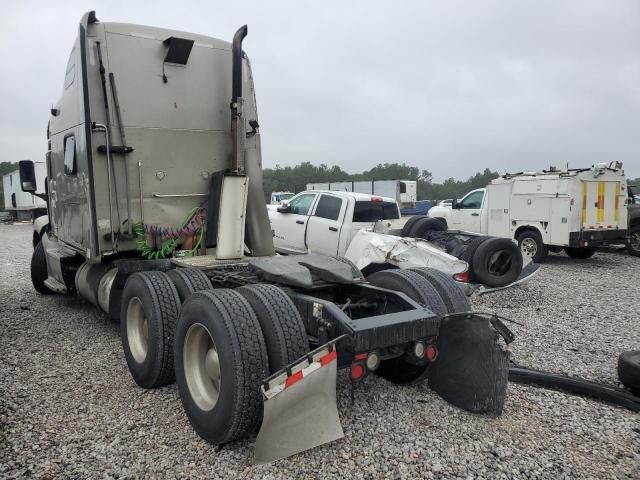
[156,214]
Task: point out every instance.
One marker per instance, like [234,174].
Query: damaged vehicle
[369,231]
[156,214]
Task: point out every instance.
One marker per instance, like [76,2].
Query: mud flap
[471,370]
[300,410]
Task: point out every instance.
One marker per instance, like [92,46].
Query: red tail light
[462,277]
[357,372]
[431,352]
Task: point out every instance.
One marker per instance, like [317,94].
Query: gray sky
[451,87]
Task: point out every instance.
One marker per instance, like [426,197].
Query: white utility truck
[157,214]
[405,192]
[575,210]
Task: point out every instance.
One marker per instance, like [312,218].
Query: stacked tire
[493,261]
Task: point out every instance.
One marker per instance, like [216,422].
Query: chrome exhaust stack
[237,120]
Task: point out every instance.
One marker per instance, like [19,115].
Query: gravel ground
[69,408]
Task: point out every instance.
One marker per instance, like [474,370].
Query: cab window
[328,207]
[374,211]
[70,167]
[473,200]
[300,205]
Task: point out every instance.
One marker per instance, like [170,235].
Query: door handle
[300,222]
[475,214]
[333,229]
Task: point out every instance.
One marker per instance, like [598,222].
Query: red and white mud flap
[300,410]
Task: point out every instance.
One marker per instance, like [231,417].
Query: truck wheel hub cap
[137,330]
[529,247]
[201,367]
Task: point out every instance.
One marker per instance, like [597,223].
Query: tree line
[294,179]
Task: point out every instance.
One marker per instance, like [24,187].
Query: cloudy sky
[451,87]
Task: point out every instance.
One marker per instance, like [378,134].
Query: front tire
[39,270]
[579,253]
[531,245]
[221,358]
[633,247]
[150,309]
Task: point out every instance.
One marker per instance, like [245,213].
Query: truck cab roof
[358,197]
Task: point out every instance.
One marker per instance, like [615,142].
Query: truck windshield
[374,211]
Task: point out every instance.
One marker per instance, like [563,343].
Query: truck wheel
[221,359]
[406,228]
[633,247]
[39,270]
[497,262]
[531,245]
[282,327]
[629,370]
[454,298]
[188,281]
[424,225]
[470,250]
[416,287]
[150,308]
[356,271]
[579,253]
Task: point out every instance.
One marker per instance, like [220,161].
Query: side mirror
[454,204]
[27,176]
[284,207]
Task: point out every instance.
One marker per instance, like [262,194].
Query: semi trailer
[156,214]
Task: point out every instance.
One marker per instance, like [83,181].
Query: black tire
[39,270]
[497,262]
[531,244]
[356,271]
[242,355]
[629,370]
[282,327]
[416,287]
[470,250]
[633,246]
[406,228]
[579,253]
[425,225]
[454,298]
[153,295]
[188,281]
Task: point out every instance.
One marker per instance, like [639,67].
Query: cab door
[466,215]
[325,225]
[289,226]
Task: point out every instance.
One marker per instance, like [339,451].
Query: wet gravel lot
[69,408]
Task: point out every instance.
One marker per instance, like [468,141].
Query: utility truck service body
[157,214]
[573,209]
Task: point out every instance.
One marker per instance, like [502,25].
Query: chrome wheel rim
[529,247]
[201,367]
[137,330]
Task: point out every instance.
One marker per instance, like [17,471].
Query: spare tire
[470,250]
[420,228]
[406,228]
[497,262]
[629,370]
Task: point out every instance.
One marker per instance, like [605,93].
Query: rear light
[357,372]
[373,361]
[360,356]
[376,199]
[418,349]
[431,352]
[462,276]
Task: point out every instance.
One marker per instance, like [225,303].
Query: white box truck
[574,210]
[21,204]
[404,191]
